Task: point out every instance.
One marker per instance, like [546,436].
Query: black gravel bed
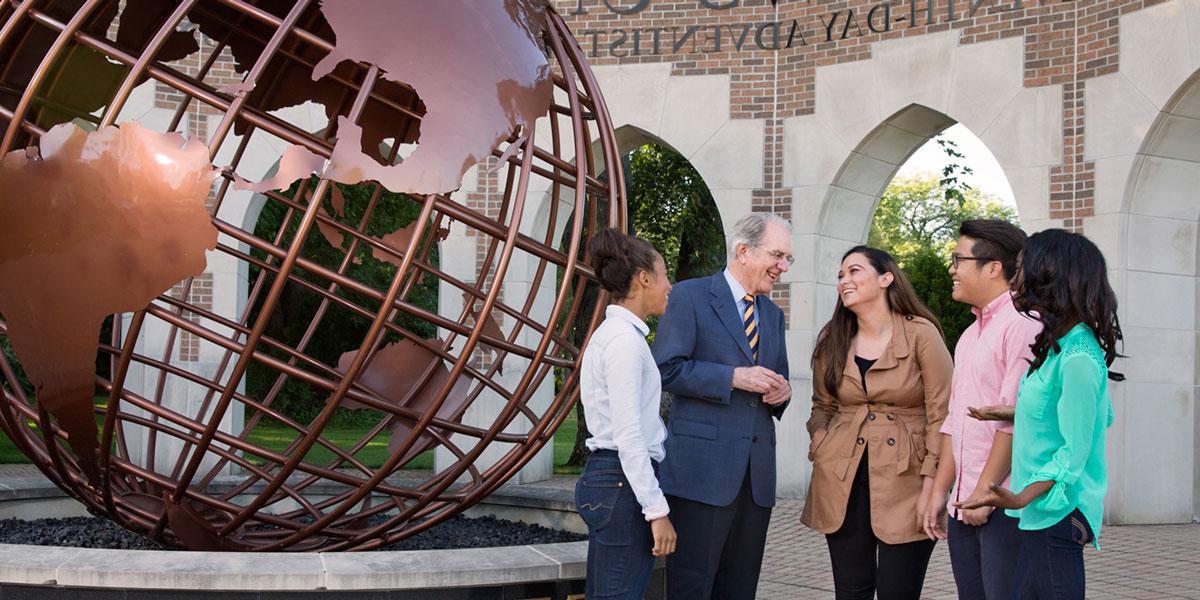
[457,532]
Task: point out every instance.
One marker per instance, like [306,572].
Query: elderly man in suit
[721,353]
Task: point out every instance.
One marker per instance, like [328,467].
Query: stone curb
[284,571]
[525,496]
[231,571]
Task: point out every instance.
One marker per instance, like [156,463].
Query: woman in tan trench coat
[881,381]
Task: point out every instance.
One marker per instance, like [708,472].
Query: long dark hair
[617,258]
[1062,281]
[833,343]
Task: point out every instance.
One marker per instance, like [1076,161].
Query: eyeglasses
[779,256]
[957,258]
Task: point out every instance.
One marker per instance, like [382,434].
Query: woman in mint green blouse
[1063,409]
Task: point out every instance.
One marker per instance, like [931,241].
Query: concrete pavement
[1137,561]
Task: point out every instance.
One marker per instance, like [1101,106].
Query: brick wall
[201,296]
[487,199]
[194,125]
[772,69]
[220,72]
[1066,43]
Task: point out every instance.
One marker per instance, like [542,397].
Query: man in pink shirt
[989,361]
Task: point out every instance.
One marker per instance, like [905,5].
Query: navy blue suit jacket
[715,431]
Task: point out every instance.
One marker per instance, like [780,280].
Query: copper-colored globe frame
[343,504]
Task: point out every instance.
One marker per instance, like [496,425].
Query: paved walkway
[1145,562]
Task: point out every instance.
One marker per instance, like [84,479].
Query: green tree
[915,214]
[340,330]
[917,222]
[671,207]
[930,276]
[15,363]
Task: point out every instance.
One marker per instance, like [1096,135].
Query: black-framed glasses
[957,258]
[778,256]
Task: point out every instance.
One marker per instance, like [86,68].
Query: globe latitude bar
[174,458]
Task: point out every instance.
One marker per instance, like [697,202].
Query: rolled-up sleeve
[1077,410]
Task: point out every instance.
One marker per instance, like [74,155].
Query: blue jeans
[619,562]
[985,557]
[1050,562]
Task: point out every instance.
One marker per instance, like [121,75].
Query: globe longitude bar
[159,459]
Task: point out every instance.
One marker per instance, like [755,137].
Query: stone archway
[888,107]
[1143,137]
[1157,421]
[628,139]
[839,159]
[523,273]
[691,115]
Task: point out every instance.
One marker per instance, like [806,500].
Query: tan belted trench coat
[896,420]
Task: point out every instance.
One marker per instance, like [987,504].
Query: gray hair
[751,229]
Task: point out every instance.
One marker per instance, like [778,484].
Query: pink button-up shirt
[989,361]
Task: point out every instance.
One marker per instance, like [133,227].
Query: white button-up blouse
[621,391]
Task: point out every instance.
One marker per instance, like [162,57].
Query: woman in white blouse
[618,494]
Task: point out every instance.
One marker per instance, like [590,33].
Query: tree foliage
[15,363]
[917,222]
[340,329]
[930,276]
[915,214]
[671,207]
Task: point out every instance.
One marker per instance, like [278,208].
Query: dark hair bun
[617,257]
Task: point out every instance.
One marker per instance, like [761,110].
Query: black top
[864,364]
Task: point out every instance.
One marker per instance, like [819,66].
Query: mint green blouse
[1063,410]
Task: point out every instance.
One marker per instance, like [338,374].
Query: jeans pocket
[596,495]
[1081,531]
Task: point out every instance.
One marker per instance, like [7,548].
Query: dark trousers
[719,549]
[619,562]
[1050,561]
[984,558]
[864,565]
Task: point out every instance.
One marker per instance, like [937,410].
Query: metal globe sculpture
[164,302]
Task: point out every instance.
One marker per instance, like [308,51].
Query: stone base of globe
[554,570]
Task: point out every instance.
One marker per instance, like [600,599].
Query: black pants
[862,564]
[719,550]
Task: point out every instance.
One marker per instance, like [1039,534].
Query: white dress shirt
[621,391]
[739,297]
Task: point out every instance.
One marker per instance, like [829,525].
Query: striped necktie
[751,328]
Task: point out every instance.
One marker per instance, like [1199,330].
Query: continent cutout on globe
[479,67]
[295,162]
[95,224]
[285,76]
[394,374]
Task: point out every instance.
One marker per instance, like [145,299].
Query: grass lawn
[564,442]
[9,455]
[277,437]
